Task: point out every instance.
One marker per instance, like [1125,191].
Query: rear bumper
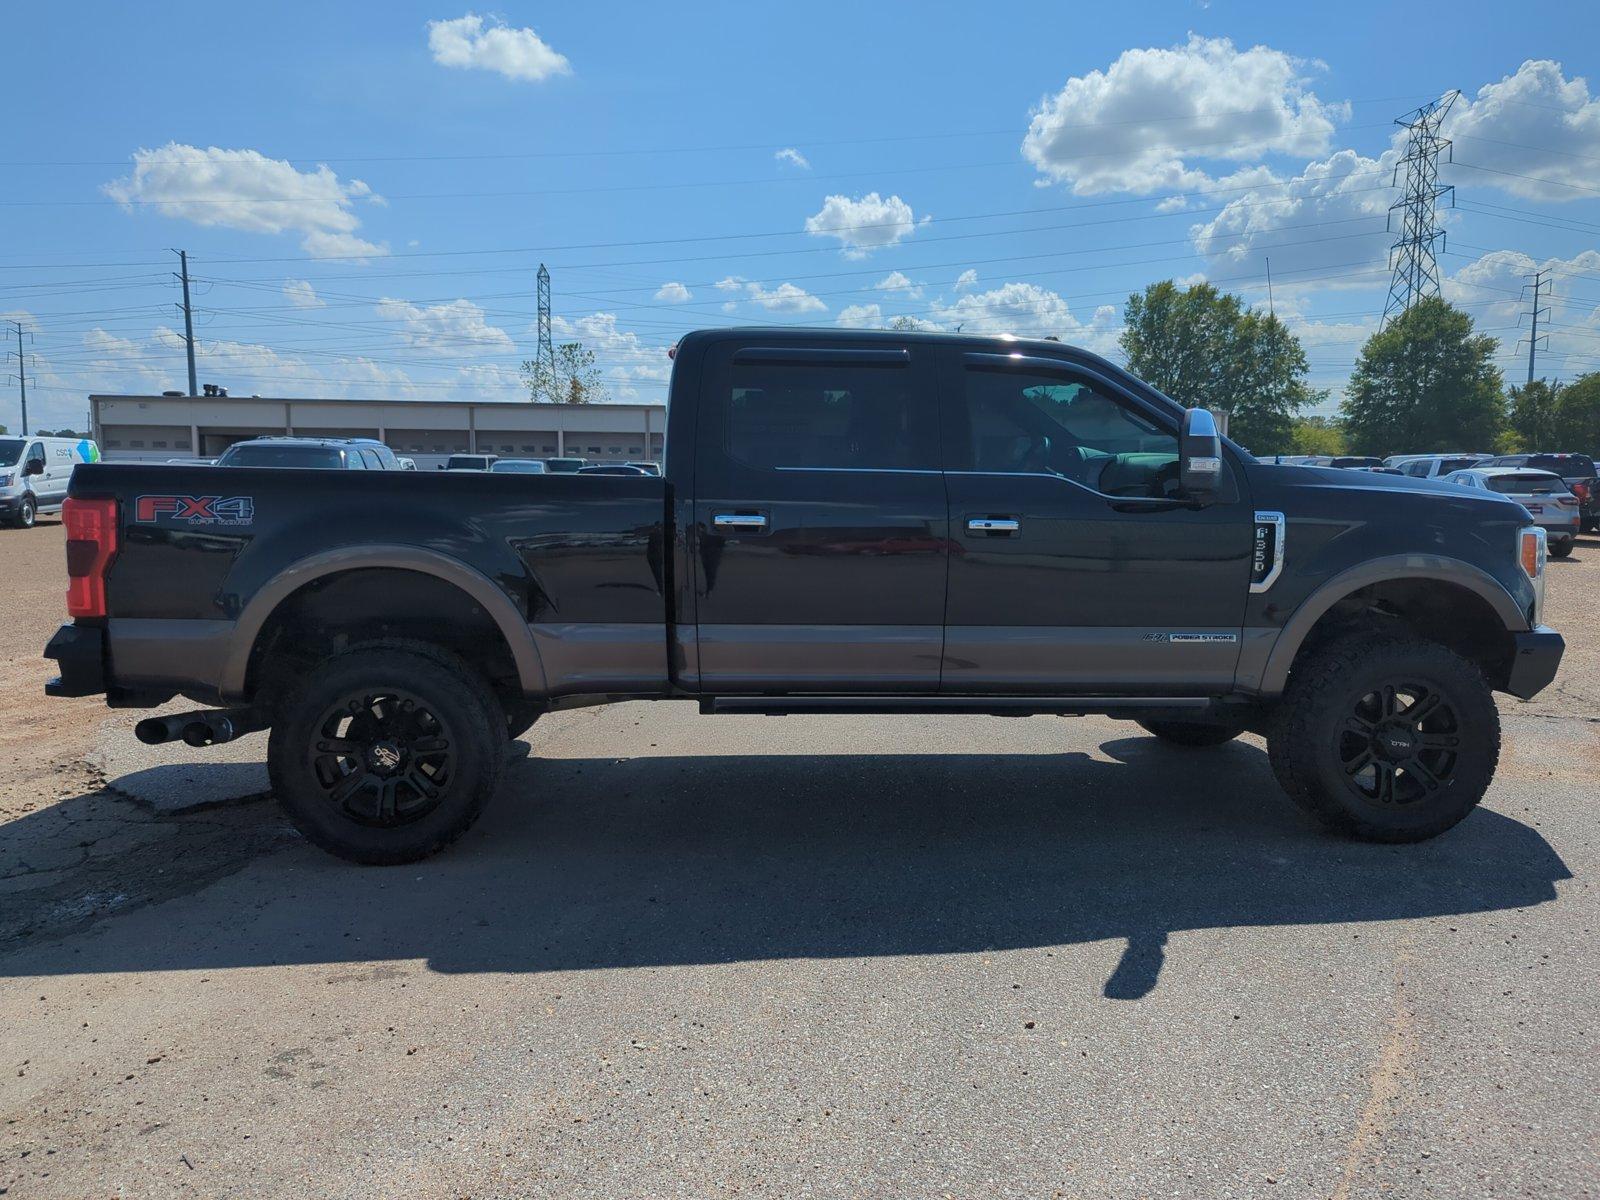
[1534,664]
[80,651]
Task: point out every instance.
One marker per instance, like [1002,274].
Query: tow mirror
[1199,456]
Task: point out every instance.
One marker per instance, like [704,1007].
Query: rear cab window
[281,456]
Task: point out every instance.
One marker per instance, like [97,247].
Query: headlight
[5,480]
[1531,551]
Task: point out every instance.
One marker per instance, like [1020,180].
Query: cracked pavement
[906,956]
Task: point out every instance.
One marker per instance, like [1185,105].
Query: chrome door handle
[993,525]
[739,521]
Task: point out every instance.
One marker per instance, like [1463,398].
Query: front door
[1076,564]
[820,535]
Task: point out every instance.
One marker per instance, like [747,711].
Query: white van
[34,473]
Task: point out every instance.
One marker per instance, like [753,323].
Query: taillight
[1581,491]
[91,545]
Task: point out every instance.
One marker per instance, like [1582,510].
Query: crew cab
[850,522]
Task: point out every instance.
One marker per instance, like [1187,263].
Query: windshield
[566,466]
[280,456]
[467,462]
[10,451]
[518,466]
[1527,483]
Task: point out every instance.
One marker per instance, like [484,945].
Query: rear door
[1076,566]
[820,537]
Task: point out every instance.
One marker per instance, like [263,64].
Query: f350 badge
[195,510]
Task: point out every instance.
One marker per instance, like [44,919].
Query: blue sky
[366,191]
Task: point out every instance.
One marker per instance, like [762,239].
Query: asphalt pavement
[689,956]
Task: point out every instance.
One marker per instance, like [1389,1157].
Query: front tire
[1385,739]
[388,753]
[27,513]
[1191,733]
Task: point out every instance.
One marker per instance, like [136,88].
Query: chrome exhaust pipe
[206,727]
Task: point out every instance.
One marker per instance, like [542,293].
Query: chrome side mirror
[1199,456]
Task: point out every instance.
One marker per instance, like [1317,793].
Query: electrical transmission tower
[546,360]
[1534,335]
[1416,270]
[22,373]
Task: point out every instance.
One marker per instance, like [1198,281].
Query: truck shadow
[656,861]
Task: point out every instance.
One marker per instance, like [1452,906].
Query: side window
[842,415]
[1049,424]
[36,451]
[352,461]
[1419,469]
[370,457]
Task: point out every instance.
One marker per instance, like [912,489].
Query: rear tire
[1192,733]
[388,752]
[1561,549]
[1387,738]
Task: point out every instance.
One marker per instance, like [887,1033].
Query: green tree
[573,379]
[1577,425]
[1203,348]
[1533,414]
[1316,435]
[1425,382]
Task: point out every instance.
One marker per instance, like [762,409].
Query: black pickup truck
[849,523]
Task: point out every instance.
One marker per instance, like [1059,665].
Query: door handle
[749,521]
[994,526]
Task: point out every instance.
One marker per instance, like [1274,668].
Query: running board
[998,706]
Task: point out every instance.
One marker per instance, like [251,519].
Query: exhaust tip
[152,731]
[197,733]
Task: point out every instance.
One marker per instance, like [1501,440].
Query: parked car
[1546,496]
[468,462]
[34,473]
[565,466]
[1347,461]
[191,462]
[851,522]
[612,469]
[1578,470]
[406,463]
[649,468]
[518,466]
[1433,466]
[314,453]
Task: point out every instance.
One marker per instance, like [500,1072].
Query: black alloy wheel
[382,758]
[1400,743]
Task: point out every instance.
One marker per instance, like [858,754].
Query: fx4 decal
[195,510]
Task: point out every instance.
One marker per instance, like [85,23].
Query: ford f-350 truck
[847,522]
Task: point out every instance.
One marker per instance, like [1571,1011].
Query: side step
[997,706]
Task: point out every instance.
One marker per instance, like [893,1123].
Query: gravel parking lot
[803,957]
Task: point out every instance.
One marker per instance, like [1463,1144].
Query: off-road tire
[428,709]
[1336,699]
[1191,733]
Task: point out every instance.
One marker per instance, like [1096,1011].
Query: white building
[156,428]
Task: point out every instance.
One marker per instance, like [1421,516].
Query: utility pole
[1271,309]
[22,376]
[1416,269]
[1533,336]
[188,318]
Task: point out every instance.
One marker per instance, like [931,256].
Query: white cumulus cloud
[674,293]
[244,189]
[456,328]
[785,298]
[302,295]
[863,223]
[1027,310]
[1536,131]
[898,281]
[793,157]
[861,316]
[967,280]
[1138,125]
[473,42]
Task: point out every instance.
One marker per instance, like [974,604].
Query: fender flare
[483,590]
[1432,567]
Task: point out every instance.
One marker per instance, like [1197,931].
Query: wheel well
[1447,613]
[338,610]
